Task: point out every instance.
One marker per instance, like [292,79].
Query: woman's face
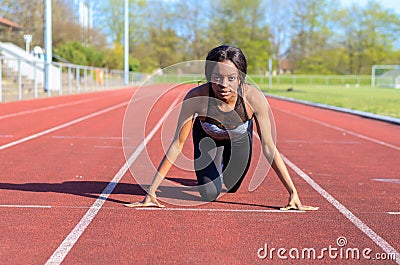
[225,80]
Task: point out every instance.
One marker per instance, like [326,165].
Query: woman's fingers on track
[301,208]
[134,204]
[141,204]
[308,208]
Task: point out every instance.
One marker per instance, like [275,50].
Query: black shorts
[236,156]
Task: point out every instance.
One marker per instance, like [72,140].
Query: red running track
[64,179]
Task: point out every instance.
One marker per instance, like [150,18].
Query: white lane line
[320,142]
[385,246]
[216,210]
[108,147]
[160,209]
[155,209]
[342,129]
[25,112]
[395,181]
[88,137]
[62,251]
[36,135]
[23,206]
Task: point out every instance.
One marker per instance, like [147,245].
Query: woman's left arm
[261,111]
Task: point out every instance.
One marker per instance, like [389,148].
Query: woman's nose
[224,82]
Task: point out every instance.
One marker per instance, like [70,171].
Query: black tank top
[226,120]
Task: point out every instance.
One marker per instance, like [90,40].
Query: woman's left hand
[295,204]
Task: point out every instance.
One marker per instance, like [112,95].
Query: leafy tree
[28,14]
[319,36]
[243,24]
[279,18]
[72,52]
[368,36]
[191,21]
[79,54]
[311,34]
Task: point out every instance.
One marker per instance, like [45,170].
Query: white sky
[392,4]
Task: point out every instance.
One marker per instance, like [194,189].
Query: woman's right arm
[181,134]
[169,158]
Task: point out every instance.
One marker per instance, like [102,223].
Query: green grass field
[382,101]
[350,92]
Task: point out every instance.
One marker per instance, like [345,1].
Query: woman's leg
[208,176]
[237,157]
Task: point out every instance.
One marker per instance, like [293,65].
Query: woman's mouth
[224,92]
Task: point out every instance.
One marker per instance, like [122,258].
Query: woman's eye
[217,78]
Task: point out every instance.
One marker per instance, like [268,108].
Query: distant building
[286,66]
[8,27]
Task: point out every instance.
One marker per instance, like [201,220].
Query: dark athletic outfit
[233,131]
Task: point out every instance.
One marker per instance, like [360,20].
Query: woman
[220,114]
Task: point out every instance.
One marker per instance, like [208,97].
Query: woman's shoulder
[256,99]
[198,91]
[252,93]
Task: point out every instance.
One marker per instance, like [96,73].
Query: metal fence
[22,79]
[327,80]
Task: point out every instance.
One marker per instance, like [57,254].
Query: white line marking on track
[62,251]
[394,213]
[342,129]
[216,210]
[108,147]
[321,142]
[87,137]
[347,213]
[395,181]
[46,108]
[24,206]
[36,135]
[383,244]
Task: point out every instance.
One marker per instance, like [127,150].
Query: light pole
[126,45]
[48,55]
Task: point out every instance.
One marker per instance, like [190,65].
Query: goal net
[385,76]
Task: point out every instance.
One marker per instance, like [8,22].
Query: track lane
[19,127]
[346,170]
[22,106]
[55,171]
[65,247]
[233,237]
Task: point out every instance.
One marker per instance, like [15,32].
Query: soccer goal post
[385,76]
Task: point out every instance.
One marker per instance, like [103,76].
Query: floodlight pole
[126,45]
[48,55]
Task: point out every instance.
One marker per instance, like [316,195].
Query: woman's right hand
[148,201]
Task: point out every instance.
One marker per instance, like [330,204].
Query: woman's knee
[210,191]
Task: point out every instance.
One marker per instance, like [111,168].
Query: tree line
[310,36]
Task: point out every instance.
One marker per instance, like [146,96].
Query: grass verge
[381,101]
